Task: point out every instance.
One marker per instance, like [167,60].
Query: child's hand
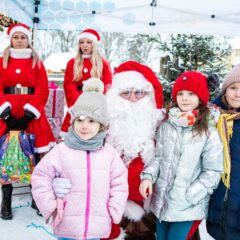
[145,188]
[61,187]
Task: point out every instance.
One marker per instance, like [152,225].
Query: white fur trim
[122,235]
[4,106]
[21,53]
[133,211]
[32,109]
[90,36]
[45,148]
[22,30]
[131,79]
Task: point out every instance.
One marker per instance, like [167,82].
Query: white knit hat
[91,103]
[232,77]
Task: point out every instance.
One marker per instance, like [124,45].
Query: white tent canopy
[219,17]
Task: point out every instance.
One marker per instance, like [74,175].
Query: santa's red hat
[192,81]
[132,74]
[19,27]
[90,34]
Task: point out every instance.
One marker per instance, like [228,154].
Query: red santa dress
[73,89]
[20,72]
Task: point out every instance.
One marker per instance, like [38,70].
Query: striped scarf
[225,129]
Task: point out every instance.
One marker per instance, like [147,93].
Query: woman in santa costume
[23,95]
[87,63]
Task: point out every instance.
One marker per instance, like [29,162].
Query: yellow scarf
[225,129]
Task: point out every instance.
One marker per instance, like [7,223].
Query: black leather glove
[25,120]
[11,121]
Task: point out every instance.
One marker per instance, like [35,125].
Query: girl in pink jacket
[97,174]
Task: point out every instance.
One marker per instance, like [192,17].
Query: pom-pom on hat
[192,81]
[132,74]
[91,103]
[19,27]
[89,34]
[232,77]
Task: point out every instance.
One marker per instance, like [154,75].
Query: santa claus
[134,101]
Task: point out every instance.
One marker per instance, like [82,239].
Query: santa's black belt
[18,90]
[79,88]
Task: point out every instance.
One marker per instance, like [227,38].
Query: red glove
[115,232]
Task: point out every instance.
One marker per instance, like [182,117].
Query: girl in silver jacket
[188,162]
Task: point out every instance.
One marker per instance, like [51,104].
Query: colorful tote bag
[16,157]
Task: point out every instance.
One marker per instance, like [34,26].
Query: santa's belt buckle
[21,90]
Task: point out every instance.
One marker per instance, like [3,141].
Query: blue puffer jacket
[224,208]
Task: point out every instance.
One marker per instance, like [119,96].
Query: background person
[23,95]
[87,63]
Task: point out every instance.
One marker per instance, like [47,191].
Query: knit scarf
[187,119]
[225,129]
[72,140]
[182,119]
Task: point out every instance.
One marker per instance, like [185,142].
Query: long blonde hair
[35,57]
[96,60]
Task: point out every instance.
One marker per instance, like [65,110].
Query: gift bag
[16,157]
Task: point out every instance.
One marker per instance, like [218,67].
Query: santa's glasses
[138,93]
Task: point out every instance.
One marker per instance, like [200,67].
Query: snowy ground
[27,225]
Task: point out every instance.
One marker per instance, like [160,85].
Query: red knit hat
[90,34]
[133,74]
[192,81]
[19,27]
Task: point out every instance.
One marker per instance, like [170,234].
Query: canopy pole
[35,23]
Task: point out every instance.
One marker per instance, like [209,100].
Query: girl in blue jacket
[224,209]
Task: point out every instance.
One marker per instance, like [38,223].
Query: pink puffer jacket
[97,197]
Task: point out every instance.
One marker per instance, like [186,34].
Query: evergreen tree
[191,52]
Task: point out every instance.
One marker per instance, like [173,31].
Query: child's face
[233,95]
[187,101]
[86,46]
[86,128]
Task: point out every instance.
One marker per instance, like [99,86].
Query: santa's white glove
[147,151]
[61,187]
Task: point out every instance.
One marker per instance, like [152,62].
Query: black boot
[6,206]
[34,206]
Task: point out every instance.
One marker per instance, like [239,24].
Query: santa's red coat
[71,87]
[20,71]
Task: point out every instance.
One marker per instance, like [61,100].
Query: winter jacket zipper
[88,196]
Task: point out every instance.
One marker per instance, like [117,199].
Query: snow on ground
[27,225]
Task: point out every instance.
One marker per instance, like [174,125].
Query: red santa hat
[132,74]
[192,81]
[19,27]
[90,34]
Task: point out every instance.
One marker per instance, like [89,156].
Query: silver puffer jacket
[185,171]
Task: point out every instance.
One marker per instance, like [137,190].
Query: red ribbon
[53,86]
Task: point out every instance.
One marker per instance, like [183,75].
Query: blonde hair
[97,65]
[35,57]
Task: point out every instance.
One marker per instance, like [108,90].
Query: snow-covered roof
[57,62]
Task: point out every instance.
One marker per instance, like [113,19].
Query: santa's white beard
[132,125]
